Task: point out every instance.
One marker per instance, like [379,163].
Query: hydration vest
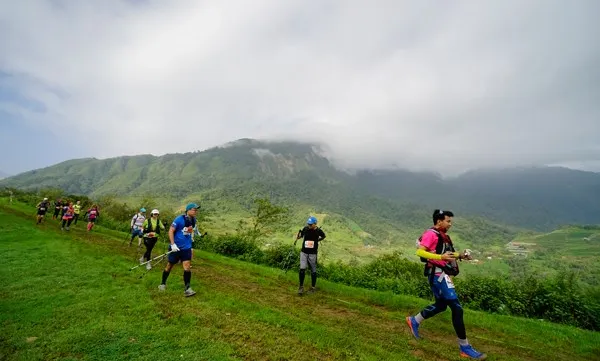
[443,246]
[149,228]
[189,221]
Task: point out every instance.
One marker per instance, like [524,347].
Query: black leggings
[67,222]
[149,243]
[440,305]
[75,218]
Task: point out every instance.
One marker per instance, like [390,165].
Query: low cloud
[446,86]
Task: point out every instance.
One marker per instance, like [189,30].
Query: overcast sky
[443,85]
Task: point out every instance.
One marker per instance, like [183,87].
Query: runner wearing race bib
[311,235]
[152,228]
[42,208]
[437,251]
[92,215]
[67,217]
[180,237]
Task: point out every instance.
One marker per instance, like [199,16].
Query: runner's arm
[172,235]
[423,252]
[321,235]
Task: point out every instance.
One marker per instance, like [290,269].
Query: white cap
[45,198]
[155,211]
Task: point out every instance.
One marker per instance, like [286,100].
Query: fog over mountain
[446,86]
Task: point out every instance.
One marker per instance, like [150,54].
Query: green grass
[70,296]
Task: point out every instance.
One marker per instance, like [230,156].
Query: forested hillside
[387,205]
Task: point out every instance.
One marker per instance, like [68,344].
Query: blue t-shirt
[183,231]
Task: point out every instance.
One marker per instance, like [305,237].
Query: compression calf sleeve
[457,319]
[165,275]
[302,275]
[187,277]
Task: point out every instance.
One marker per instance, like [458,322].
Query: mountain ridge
[539,198]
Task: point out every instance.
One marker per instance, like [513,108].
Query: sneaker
[148,266]
[414,326]
[312,290]
[162,287]
[142,259]
[68,229]
[189,292]
[300,291]
[470,352]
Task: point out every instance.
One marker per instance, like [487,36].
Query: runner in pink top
[439,268]
[429,240]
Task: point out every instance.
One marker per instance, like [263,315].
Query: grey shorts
[308,260]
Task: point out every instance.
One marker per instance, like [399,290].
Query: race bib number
[42,209]
[309,244]
[187,230]
[449,281]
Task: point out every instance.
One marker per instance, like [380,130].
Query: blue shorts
[137,232]
[442,287]
[182,255]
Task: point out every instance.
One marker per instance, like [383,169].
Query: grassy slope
[72,298]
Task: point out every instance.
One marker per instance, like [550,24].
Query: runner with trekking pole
[311,235]
[437,252]
[180,237]
[137,226]
[151,228]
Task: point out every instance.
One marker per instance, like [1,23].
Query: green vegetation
[560,297]
[69,296]
[389,205]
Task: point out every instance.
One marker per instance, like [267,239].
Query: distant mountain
[540,198]
[3,175]
[297,173]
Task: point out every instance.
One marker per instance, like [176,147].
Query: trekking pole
[126,238]
[154,265]
[155,258]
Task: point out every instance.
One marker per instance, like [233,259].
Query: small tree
[267,219]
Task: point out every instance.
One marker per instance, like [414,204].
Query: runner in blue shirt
[180,236]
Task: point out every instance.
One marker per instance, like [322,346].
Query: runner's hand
[448,256]
[174,248]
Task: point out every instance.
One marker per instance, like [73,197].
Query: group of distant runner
[434,247]
[66,212]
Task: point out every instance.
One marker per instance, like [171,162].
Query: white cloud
[440,85]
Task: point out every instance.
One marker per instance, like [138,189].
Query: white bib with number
[449,281]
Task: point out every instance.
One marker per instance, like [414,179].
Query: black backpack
[451,268]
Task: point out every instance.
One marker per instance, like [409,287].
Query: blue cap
[143,210]
[191,206]
[311,220]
